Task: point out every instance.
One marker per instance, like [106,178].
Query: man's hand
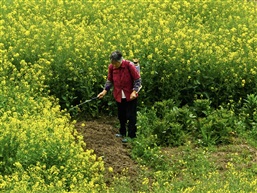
[101,94]
[133,95]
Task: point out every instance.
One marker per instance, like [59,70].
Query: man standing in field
[126,80]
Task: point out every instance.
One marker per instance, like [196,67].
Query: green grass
[188,168]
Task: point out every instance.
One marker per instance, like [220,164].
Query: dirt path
[99,135]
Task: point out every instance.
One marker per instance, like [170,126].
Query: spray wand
[89,100]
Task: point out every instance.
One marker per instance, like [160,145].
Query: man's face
[116,64]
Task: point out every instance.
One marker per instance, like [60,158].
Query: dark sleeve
[108,85]
[137,85]
[136,76]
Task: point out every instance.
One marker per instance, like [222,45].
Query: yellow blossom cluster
[75,38]
[40,149]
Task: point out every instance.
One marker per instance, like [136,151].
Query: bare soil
[99,135]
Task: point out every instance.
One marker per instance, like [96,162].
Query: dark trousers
[127,115]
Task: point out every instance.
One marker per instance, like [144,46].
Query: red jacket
[123,78]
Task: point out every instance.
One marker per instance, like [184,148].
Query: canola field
[54,54]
